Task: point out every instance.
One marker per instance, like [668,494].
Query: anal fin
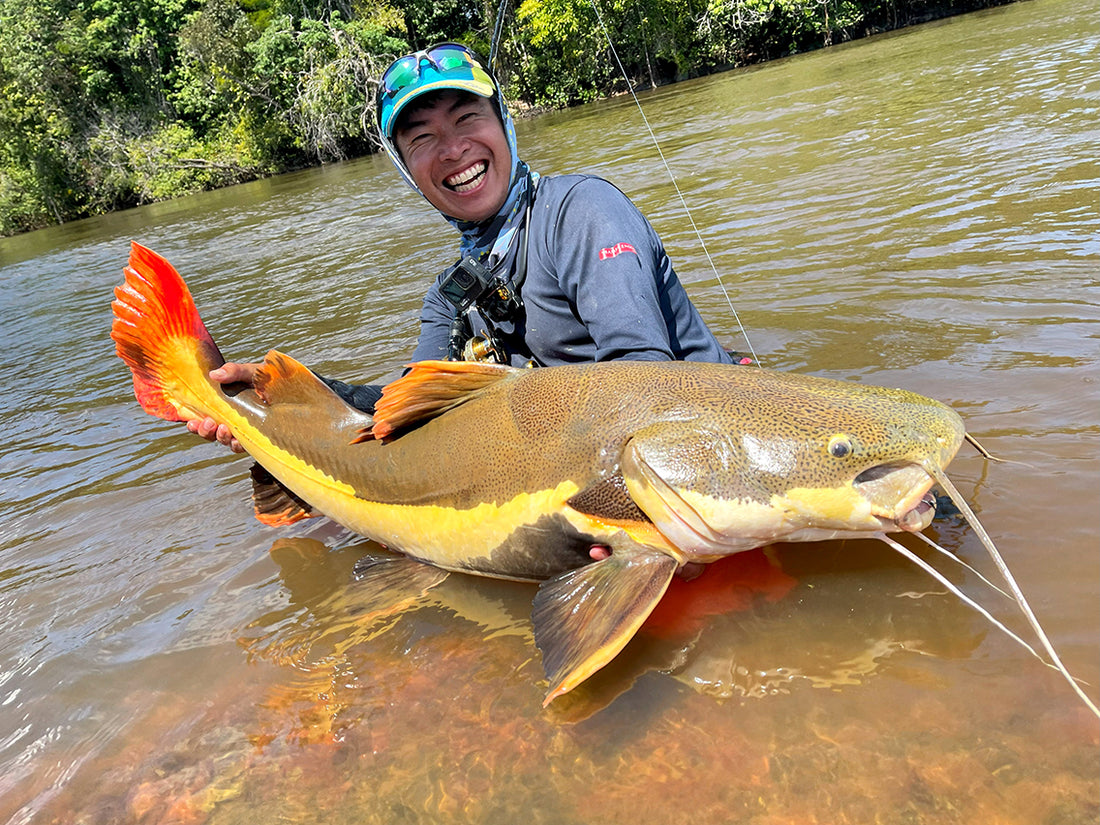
[584,617]
[274,504]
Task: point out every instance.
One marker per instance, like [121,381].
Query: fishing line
[675,185]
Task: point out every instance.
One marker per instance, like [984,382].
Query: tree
[110,103]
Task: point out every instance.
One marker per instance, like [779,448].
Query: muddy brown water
[918,210]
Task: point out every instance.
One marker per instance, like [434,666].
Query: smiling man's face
[456,151]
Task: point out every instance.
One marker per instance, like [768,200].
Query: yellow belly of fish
[447,537]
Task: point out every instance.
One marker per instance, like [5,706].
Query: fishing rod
[493,48]
[494,44]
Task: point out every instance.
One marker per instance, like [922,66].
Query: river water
[918,209]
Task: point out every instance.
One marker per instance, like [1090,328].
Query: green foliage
[568,46]
[432,21]
[23,204]
[171,161]
[212,61]
[38,88]
[109,103]
[317,80]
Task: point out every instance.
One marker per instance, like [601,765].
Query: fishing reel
[485,348]
[463,345]
[472,285]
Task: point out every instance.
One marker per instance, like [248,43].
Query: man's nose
[452,146]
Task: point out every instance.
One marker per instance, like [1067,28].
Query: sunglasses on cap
[444,66]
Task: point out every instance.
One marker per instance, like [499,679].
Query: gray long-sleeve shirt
[599,286]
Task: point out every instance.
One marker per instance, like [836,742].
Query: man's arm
[613,268]
[436,316]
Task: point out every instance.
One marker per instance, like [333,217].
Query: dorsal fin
[289,385]
[430,388]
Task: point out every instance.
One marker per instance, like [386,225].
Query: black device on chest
[472,284]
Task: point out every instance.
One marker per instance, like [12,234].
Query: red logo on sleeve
[616,250]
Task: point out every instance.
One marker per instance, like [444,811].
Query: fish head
[800,459]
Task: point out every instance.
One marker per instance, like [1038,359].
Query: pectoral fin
[583,618]
[608,499]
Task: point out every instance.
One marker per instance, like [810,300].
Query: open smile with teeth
[468,178]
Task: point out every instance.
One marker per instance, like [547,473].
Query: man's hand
[208,428]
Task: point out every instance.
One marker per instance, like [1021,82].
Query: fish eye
[840,446]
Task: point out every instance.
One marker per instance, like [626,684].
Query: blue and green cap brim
[470,78]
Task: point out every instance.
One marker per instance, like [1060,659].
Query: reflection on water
[914,210]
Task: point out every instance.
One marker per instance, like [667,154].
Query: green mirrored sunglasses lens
[401,74]
[450,61]
[407,69]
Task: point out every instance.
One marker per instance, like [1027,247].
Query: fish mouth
[899,494]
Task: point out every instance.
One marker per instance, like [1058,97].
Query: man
[552,271]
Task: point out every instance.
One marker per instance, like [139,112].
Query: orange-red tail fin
[159,334]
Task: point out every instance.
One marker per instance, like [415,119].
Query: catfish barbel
[518,474]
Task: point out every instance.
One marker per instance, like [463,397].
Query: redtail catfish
[519,473]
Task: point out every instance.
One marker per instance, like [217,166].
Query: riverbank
[214,93]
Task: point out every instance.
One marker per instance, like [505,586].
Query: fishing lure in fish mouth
[518,474]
